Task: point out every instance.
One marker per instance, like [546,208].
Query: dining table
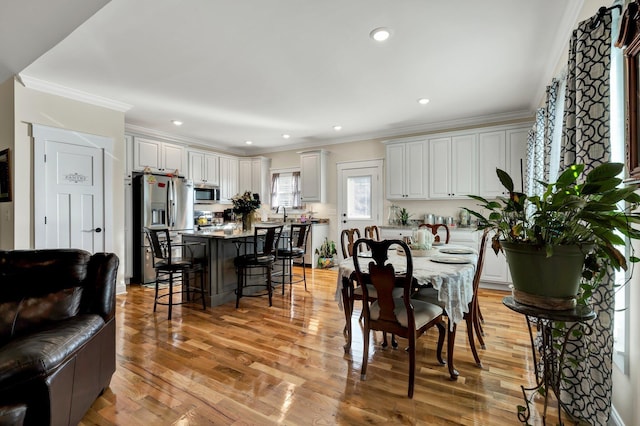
[448,268]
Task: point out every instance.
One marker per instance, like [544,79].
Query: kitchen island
[220,249]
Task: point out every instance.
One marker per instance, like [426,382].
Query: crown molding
[398,132]
[67,92]
[136,130]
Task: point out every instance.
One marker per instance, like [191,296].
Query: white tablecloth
[454,281]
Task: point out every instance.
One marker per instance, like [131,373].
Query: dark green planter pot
[545,282]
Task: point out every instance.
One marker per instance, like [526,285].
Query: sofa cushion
[37,354]
[19,317]
[28,273]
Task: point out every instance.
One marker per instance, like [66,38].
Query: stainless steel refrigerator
[159,201]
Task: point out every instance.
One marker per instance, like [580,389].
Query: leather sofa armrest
[100,285]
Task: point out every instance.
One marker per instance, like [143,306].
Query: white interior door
[69,190]
[359,194]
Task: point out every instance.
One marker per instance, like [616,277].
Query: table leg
[451,333]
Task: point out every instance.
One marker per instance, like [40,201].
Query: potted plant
[569,236]
[403,216]
[326,254]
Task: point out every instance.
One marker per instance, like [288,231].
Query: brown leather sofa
[57,331]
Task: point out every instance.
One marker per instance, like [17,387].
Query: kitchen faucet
[284,211]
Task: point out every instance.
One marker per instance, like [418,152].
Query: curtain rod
[601,12]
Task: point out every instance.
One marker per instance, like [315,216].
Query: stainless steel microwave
[205,194]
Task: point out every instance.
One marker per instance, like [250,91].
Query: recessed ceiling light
[177,122]
[423,101]
[286,136]
[248,142]
[380,34]
[337,128]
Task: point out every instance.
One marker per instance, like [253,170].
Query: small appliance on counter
[228,215]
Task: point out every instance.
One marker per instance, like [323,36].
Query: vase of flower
[246,205]
[247,221]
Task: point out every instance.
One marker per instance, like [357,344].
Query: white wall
[34,107]
[7,141]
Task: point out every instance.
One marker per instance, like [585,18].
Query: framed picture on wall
[5,176]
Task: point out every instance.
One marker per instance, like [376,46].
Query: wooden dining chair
[472,317]
[372,232]
[401,316]
[434,230]
[347,238]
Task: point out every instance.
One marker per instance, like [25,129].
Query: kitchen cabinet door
[244,175]
[158,156]
[440,168]
[203,168]
[492,147]
[464,168]
[395,178]
[406,172]
[228,179]
[313,176]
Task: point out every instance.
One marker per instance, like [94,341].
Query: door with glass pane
[360,195]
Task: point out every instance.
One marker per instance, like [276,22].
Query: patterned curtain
[587,386]
[540,143]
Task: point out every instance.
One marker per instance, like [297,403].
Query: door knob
[98,229]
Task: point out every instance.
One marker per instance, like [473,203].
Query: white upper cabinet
[159,157]
[405,172]
[452,166]
[228,178]
[313,176]
[492,156]
[254,176]
[203,168]
[506,150]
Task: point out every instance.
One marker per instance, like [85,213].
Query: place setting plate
[450,259]
[454,250]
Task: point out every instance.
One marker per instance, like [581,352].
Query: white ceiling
[254,69]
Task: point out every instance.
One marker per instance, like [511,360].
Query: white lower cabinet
[319,232]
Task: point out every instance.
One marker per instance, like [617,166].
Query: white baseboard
[614,418]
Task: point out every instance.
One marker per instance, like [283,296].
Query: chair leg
[412,362]
[170,293]
[304,274]
[155,300]
[472,342]
[269,283]
[365,351]
[283,273]
[347,301]
[478,326]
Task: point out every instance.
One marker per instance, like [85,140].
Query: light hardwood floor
[286,365]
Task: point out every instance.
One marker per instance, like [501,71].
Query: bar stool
[167,267]
[265,242]
[296,247]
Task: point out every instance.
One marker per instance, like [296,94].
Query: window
[285,189]
[359,197]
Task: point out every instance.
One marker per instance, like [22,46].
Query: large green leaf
[604,171]
[505,179]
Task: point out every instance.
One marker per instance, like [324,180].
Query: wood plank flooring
[285,364]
